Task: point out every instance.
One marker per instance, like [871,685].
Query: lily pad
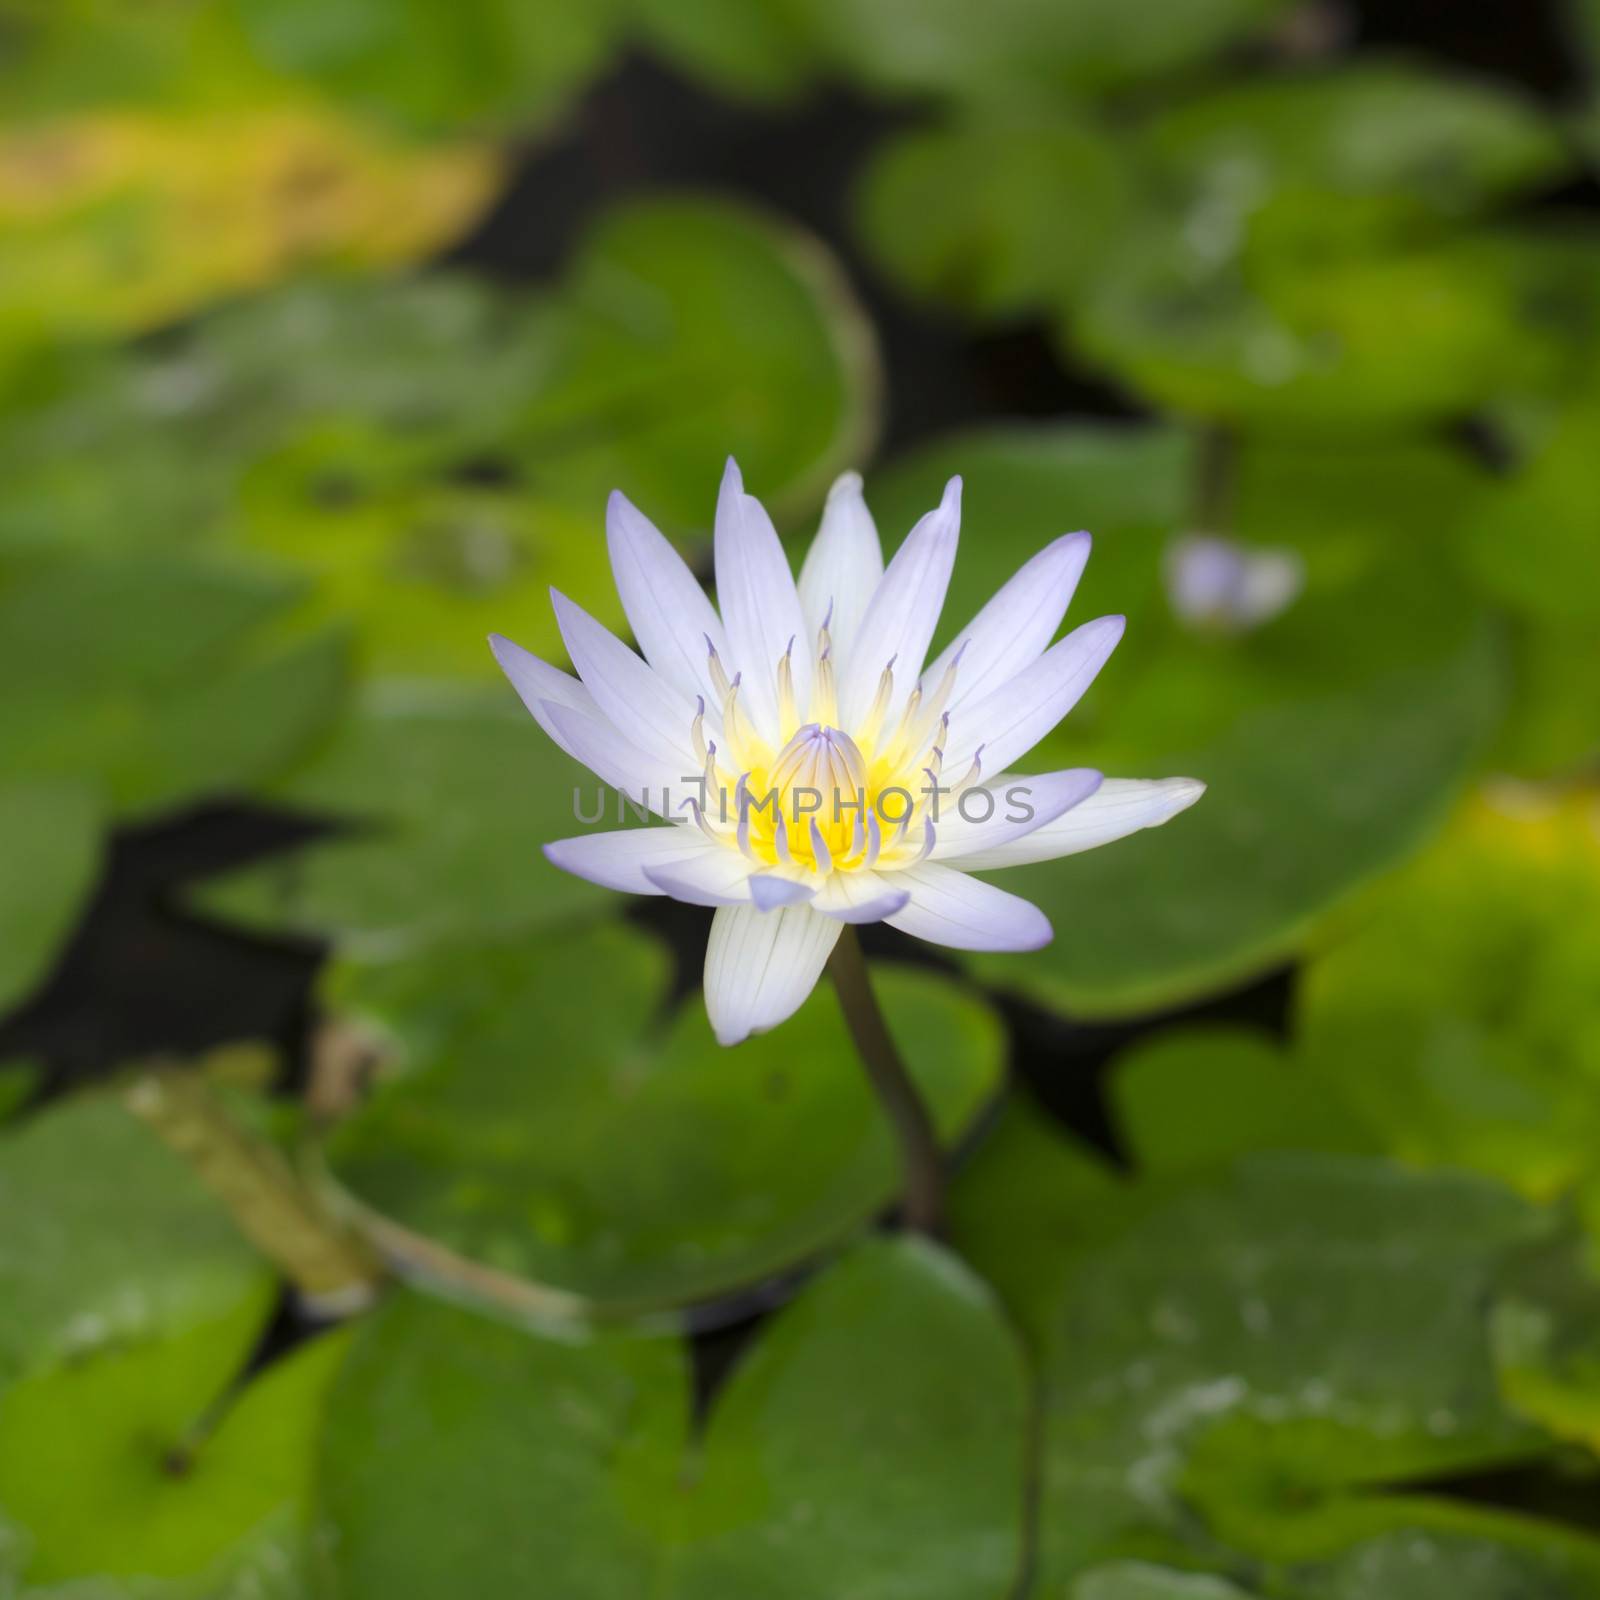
[840,1458]
[1232,1378]
[1457,1010]
[1138,1580]
[1373,147]
[691,330]
[172,689]
[166,1497]
[1199,1097]
[435,65]
[444,796]
[542,1127]
[437,453]
[113,222]
[1547,1337]
[109,1241]
[52,836]
[1026,1201]
[1300,256]
[1022,47]
[1332,739]
[997,215]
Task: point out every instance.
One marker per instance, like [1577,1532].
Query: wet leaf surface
[595,1148]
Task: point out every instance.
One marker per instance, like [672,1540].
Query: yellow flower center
[828,800]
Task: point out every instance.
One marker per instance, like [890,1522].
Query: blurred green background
[378,1218]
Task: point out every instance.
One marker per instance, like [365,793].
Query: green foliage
[1459,1013]
[172,686]
[541,1123]
[436,454]
[109,1242]
[445,795]
[1330,739]
[840,1455]
[1326,1329]
[52,834]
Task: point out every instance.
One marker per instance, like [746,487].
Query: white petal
[667,610]
[639,703]
[593,741]
[860,897]
[1012,630]
[1120,806]
[904,610]
[1009,721]
[1015,806]
[717,877]
[948,907]
[618,860]
[537,681]
[769,890]
[760,605]
[761,965]
[842,567]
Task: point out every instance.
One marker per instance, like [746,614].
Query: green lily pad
[109,1241]
[1458,1012]
[1235,1377]
[1026,1201]
[1546,1329]
[436,453]
[996,216]
[690,330]
[1332,738]
[446,795]
[840,1458]
[163,1499]
[1533,538]
[1361,342]
[173,688]
[1022,48]
[52,833]
[744,52]
[1138,1580]
[435,65]
[1300,256]
[19,1082]
[542,1127]
[1371,147]
[1199,1097]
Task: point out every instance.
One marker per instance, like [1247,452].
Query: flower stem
[329,1266]
[897,1093]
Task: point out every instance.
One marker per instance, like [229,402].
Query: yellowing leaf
[116,221]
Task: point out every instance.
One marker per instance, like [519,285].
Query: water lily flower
[1223,586]
[816,769]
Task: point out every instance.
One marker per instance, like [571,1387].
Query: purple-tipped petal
[611,758]
[769,891]
[947,907]
[618,860]
[760,605]
[842,567]
[904,610]
[1009,721]
[668,611]
[537,682]
[1008,808]
[860,897]
[638,702]
[1120,806]
[1012,631]
[719,877]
